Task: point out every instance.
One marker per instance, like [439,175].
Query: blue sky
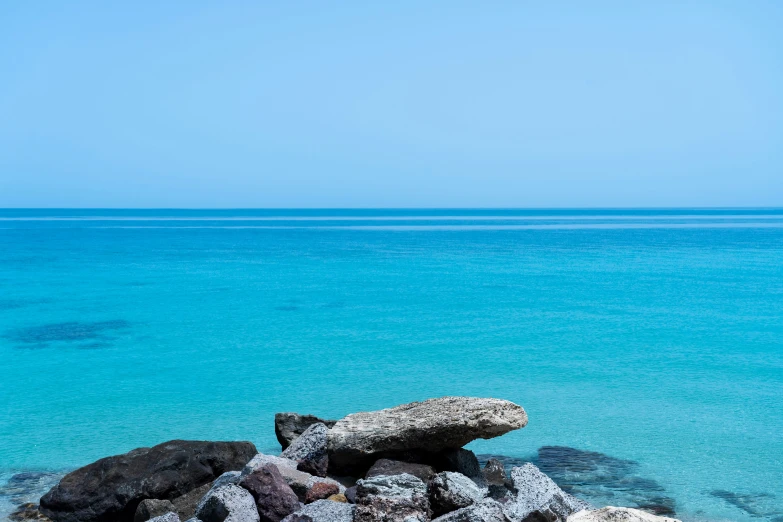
[402,104]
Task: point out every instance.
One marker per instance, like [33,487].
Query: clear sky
[403,104]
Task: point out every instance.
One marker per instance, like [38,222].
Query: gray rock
[396,498]
[168,517]
[494,472]
[450,491]
[464,462]
[398,467]
[617,514]
[487,510]
[165,471]
[323,511]
[185,505]
[539,496]
[350,494]
[229,477]
[261,459]
[309,450]
[274,498]
[289,426]
[194,519]
[429,426]
[228,503]
[151,508]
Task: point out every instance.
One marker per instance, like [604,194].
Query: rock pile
[403,464]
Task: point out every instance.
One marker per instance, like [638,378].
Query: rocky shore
[403,464]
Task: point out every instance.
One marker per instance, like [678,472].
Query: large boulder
[274,498]
[398,467]
[289,426]
[309,450]
[110,489]
[227,504]
[395,498]
[323,511]
[450,491]
[487,510]
[539,497]
[617,514]
[430,426]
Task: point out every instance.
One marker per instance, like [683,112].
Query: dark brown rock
[321,490]
[274,498]
[397,467]
[185,506]
[151,508]
[289,426]
[110,489]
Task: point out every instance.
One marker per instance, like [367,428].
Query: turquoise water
[652,336]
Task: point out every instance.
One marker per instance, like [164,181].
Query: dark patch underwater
[762,505]
[89,334]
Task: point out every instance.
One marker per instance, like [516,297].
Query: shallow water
[653,339]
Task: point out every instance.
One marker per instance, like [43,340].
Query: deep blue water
[653,338]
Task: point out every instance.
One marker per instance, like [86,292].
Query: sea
[645,345]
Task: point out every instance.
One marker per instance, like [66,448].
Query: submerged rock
[309,450]
[323,511]
[289,426]
[26,512]
[110,489]
[617,514]
[396,498]
[450,491]
[430,426]
[227,504]
[274,498]
[538,496]
[398,467]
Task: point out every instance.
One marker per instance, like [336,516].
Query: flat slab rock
[110,489]
[430,426]
[617,514]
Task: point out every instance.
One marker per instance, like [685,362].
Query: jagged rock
[309,450]
[464,462]
[165,471]
[323,511]
[617,514]
[450,491]
[494,472]
[260,459]
[228,503]
[274,498]
[350,494]
[321,491]
[487,510]
[185,505]
[429,426]
[396,498]
[398,467]
[289,426]
[167,517]
[151,508]
[539,497]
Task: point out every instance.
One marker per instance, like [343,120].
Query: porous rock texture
[323,511]
[395,498]
[309,450]
[110,489]
[228,503]
[321,491]
[166,517]
[487,510]
[274,498]
[450,491]
[428,426]
[617,514]
[288,426]
[397,467]
[539,497]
